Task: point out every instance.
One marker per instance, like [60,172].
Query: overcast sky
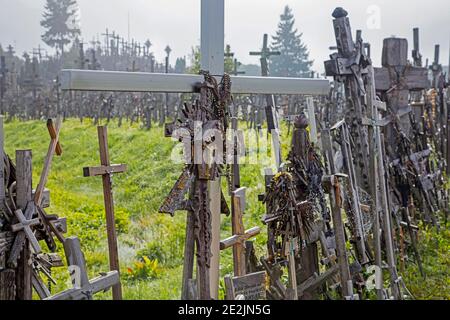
[177,23]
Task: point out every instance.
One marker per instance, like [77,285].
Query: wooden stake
[24,190]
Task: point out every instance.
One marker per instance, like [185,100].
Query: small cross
[237,64]
[106,170]
[25,226]
[265,54]
[239,235]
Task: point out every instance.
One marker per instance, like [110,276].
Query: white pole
[212,60]
[312,121]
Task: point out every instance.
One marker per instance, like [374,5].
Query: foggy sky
[177,23]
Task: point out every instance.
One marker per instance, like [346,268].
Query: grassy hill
[151,244]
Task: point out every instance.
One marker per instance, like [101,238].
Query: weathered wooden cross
[212,56]
[106,170]
[25,226]
[239,234]
[83,289]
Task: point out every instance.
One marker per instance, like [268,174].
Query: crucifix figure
[106,170]
[212,56]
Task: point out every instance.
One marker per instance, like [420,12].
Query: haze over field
[177,23]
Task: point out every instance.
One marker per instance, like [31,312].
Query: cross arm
[239,238]
[87,80]
[102,170]
[53,134]
[416,79]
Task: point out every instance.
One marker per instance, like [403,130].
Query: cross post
[106,170]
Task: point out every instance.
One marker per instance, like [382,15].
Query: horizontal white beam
[85,80]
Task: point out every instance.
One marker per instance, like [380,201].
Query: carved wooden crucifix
[106,170]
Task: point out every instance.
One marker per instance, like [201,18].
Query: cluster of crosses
[370,141]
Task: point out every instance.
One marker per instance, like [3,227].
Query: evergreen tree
[59,20]
[195,58]
[294,59]
[229,61]
[180,65]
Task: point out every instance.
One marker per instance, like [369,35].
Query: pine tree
[294,59]
[59,20]
[195,58]
[229,61]
[180,65]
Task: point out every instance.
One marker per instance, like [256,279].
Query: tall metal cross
[212,60]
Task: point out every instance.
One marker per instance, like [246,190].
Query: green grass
[138,194]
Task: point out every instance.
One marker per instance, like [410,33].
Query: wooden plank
[336,207]
[2,165]
[75,258]
[416,79]
[24,176]
[98,284]
[251,286]
[317,280]
[7,285]
[102,170]
[45,202]
[109,209]
[237,228]
[395,52]
[47,165]
[189,247]
[86,80]
[54,135]
[239,238]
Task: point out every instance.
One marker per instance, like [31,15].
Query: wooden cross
[397,78]
[3,72]
[25,225]
[106,170]
[265,54]
[236,71]
[239,234]
[212,56]
[83,289]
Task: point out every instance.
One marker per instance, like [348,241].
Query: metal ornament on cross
[212,60]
